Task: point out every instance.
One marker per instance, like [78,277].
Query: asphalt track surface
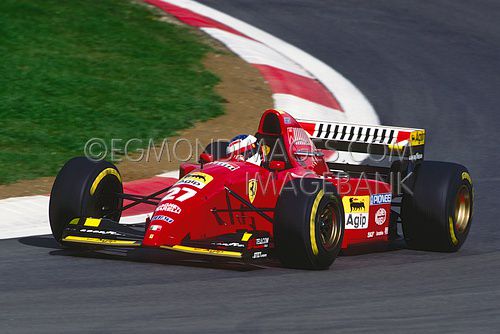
[431,64]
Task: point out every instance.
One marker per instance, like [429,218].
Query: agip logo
[356,212]
[196,179]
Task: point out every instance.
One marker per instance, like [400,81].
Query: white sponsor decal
[230,166]
[228,244]
[155,227]
[99,232]
[378,199]
[259,255]
[356,221]
[379,233]
[380,216]
[416,156]
[179,194]
[261,241]
[169,207]
[164,218]
[370,234]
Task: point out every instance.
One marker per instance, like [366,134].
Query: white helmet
[244,148]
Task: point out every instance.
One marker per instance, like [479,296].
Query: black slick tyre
[84,188]
[308,224]
[437,215]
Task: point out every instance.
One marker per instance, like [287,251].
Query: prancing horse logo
[252,189]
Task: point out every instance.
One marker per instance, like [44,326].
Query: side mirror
[206,158]
[276,165]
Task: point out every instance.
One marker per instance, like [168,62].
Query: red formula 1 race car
[301,191]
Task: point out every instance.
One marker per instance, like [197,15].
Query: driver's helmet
[244,148]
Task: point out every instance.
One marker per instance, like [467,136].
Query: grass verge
[77,69]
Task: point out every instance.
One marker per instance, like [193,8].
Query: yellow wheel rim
[329,227]
[463,208]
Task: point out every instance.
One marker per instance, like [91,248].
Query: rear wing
[367,148]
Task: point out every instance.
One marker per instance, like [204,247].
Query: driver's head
[244,148]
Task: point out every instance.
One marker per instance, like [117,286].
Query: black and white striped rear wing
[381,146]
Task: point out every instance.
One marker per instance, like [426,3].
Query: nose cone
[186,211]
[167,213]
[184,208]
[153,234]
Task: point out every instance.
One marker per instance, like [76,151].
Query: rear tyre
[217,149]
[437,216]
[308,224]
[84,188]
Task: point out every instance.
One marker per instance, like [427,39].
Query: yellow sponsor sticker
[196,179]
[417,137]
[356,210]
[92,222]
[356,204]
[246,236]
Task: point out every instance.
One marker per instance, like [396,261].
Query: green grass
[71,70]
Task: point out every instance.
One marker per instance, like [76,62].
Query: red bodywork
[191,209]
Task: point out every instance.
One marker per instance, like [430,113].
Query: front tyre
[84,188]
[309,224]
[438,215]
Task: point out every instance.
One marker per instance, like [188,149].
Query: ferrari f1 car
[318,188]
